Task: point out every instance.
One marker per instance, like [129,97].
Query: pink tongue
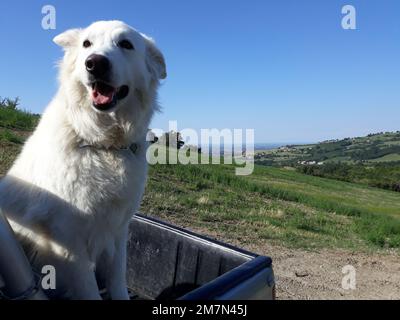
[102,98]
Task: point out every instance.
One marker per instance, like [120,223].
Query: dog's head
[109,78]
[112,61]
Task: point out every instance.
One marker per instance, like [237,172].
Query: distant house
[310,163]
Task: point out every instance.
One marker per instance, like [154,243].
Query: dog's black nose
[97,65]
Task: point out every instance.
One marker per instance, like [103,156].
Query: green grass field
[15,126]
[276,206]
[16,119]
[388,158]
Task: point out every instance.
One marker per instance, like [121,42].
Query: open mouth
[105,97]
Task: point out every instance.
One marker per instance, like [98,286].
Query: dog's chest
[103,182]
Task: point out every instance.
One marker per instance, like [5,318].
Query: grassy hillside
[373,160]
[276,205]
[15,126]
[273,205]
[385,175]
[380,147]
[13,118]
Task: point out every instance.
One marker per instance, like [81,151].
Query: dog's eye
[87,44]
[126,44]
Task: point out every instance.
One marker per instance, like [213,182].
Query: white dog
[71,193]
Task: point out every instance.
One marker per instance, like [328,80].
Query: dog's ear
[68,38]
[155,59]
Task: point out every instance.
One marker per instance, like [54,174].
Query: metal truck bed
[166,262]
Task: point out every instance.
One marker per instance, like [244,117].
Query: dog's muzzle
[104,95]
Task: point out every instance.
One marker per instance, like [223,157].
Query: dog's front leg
[84,285]
[116,277]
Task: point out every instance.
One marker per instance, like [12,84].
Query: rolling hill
[379,147]
[373,160]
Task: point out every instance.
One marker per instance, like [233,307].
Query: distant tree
[172,139]
[151,137]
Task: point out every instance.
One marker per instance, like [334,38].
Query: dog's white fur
[70,205]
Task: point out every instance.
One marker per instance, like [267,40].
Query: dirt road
[304,274]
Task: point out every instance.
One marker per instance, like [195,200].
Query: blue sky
[285,68]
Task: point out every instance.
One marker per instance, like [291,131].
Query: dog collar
[132,148]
